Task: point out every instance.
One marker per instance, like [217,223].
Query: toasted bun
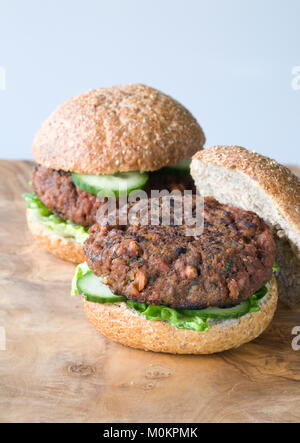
[61,247]
[123,128]
[242,178]
[124,325]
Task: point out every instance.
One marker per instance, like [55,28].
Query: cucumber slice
[222,313]
[95,291]
[182,168]
[110,184]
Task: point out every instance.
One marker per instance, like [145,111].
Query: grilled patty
[59,194]
[162,265]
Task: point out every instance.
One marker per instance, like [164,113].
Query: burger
[126,137]
[155,288]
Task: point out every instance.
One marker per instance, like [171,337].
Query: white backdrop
[234,63]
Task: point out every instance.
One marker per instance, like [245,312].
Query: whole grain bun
[238,177]
[64,248]
[119,322]
[123,128]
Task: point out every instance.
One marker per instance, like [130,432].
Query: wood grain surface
[58,368]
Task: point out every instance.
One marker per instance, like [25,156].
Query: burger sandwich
[128,137]
[155,288]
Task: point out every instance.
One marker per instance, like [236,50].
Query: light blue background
[229,61]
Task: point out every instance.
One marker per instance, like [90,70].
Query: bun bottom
[120,323]
[64,248]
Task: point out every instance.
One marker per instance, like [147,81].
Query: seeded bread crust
[124,325]
[123,128]
[64,248]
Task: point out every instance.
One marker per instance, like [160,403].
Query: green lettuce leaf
[80,270]
[173,316]
[67,229]
[256,297]
[178,318]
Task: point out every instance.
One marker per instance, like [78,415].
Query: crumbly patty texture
[59,194]
[123,128]
[161,265]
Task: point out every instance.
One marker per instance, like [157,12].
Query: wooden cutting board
[57,367]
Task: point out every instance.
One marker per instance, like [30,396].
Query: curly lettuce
[195,320]
[67,229]
[80,271]
[174,317]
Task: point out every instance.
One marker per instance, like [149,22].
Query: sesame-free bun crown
[118,129]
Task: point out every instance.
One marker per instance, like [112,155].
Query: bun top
[118,129]
[253,182]
[242,178]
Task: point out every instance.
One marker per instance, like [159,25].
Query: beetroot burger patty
[60,195]
[225,265]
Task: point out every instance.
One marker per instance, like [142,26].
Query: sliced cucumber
[182,168]
[95,291]
[215,312]
[110,184]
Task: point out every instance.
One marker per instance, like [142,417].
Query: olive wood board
[58,368]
